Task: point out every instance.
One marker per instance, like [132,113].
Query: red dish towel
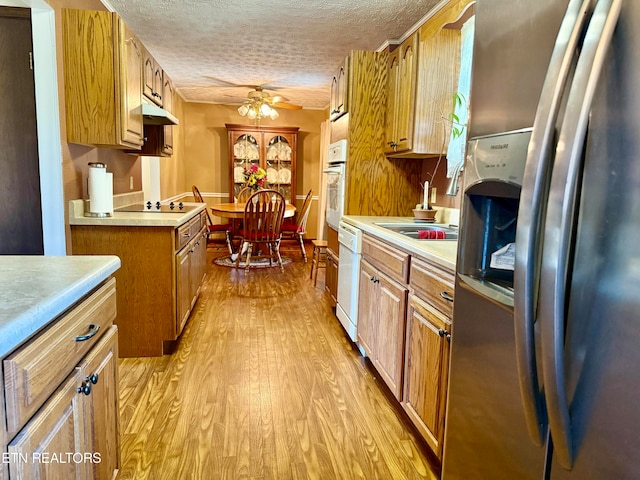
[431,235]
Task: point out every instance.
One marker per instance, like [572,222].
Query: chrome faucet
[452,190]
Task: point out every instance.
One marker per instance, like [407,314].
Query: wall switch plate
[434,198]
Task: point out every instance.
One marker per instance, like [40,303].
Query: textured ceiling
[291,47]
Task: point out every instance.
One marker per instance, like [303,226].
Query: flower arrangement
[255,177]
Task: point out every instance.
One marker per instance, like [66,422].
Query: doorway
[21,222]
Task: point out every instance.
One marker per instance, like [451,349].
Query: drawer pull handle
[93,378]
[85,388]
[446,296]
[93,329]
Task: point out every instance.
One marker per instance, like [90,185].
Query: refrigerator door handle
[561,221]
[534,186]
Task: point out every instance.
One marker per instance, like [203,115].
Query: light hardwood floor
[264,384]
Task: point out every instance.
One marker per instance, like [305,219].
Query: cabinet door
[167,103]
[101,412]
[343,89]
[245,152]
[57,429]
[392,298]
[198,265]
[392,102]
[333,102]
[368,308]
[339,92]
[279,164]
[406,88]
[183,287]
[426,371]
[331,278]
[131,86]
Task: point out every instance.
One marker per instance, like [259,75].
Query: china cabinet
[271,148]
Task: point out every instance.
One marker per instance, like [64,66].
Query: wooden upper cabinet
[340,91]
[103,80]
[153,79]
[401,91]
[167,103]
[421,85]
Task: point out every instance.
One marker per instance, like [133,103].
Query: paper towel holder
[87,212]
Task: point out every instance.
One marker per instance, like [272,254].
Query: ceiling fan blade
[288,106]
[278,98]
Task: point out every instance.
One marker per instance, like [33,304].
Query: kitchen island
[163,258]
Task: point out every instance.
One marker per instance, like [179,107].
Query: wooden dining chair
[244,194]
[213,228]
[263,214]
[298,229]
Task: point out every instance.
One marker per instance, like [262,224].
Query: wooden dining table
[236,210]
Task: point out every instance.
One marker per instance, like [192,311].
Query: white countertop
[36,289]
[441,252]
[133,219]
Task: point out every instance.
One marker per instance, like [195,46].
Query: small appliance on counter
[100,191]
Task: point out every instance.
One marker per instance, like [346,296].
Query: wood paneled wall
[375,185]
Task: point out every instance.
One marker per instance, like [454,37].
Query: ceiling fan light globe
[243,109]
[274,114]
[251,114]
[265,110]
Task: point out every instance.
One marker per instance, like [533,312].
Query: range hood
[154,115]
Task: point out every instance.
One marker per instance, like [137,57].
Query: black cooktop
[157,207]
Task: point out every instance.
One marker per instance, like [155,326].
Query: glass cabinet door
[246,152]
[279,165]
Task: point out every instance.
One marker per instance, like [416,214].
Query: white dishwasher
[350,239]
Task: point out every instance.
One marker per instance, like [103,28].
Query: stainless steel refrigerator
[545,355]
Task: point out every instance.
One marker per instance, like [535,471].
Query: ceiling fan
[259,101]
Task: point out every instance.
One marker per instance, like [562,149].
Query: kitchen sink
[423,231]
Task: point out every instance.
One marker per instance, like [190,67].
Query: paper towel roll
[100,190]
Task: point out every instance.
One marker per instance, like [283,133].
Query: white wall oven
[335,171]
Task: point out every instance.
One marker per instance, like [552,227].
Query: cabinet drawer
[433,284]
[34,371]
[388,259]
[195,224]
[183,235]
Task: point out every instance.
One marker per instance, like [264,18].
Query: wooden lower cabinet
[382,306]
[75,433]
[190,271]
[331,278]
[405,309]
[427,370]
[60,391]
